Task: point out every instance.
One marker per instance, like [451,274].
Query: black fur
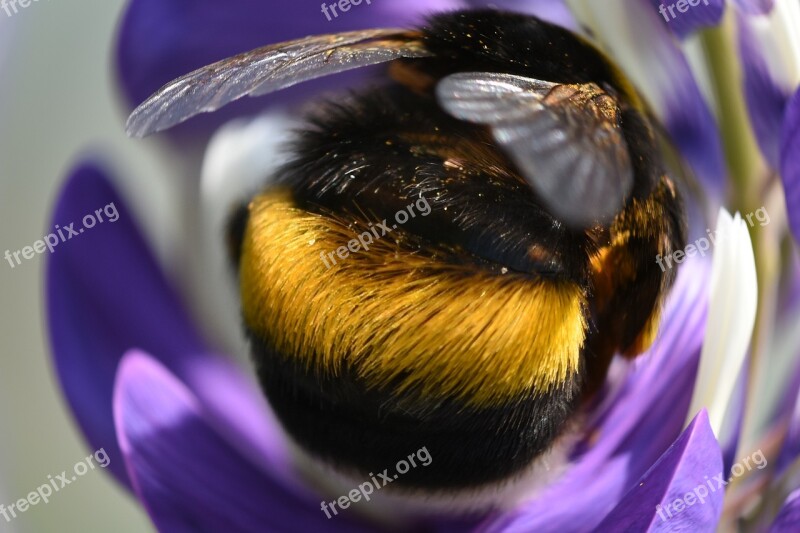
[361,429]
[356,158]
[498,41]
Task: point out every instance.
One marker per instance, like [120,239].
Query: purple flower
[790,161]
[770,53]
[192,437]
[685,18]
[190,427]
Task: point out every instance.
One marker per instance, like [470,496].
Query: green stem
[741,150]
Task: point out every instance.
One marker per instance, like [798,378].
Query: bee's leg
[629,284]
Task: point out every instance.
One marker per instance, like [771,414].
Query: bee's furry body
[490,273]
[477,330]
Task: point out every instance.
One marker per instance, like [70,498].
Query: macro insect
[479,330]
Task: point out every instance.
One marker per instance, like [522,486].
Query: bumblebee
[479,330]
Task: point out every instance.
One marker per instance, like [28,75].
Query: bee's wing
[269,69]
[564,139]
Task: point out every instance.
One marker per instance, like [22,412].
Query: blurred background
[57,96]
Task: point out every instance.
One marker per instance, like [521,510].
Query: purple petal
[635,426]
[766,98]
[790,162]
[790,295]
[789,515]
[160,40]
[780,409]
[187,475]
[782,379]
[691,124]
[734,417]
[706,14]
[106,295]
[788,402]
[680,474]
[662,72]
[555,11]
[755,7]
[790,449]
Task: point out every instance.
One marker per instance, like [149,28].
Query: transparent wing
[564,139]
[269,69]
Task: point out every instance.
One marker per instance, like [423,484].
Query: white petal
[731,317]
[695,54]
[775,368]
[778,37]
[634,35]
[619,27]
[240,159]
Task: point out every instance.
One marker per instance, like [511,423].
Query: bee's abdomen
[339,419]
[407,345]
